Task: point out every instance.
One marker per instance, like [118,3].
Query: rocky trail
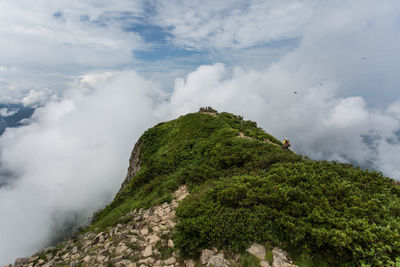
[241,135]
[145,240]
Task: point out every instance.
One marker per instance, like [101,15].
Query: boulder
[31,259]
[144,231]
[217,261]
[87,259]
[170,261]
[281,258]
[99,238]
[206,254]
[264,264]
[257,250]
[148,251]
[153,239]
[148,261]
[49,264]
[100,258]
[125,263]
[170,243]
[121,248]
[116,259]
[21,261]
[189,263]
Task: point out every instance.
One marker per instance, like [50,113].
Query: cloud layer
[325,75]
[70,159]
[234,24]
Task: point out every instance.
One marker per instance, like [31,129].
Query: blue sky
[99,73]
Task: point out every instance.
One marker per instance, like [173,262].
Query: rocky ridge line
[145,240]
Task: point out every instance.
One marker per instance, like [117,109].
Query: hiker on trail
[286,143]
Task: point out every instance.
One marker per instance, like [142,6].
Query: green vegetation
[247,190]
[248,260]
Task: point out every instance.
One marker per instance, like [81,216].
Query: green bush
[249,190]
[311,208]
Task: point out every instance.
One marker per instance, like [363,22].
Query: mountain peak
[224,183]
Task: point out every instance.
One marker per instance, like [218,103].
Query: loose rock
[281,258]
[206,254]
[257,250]
[218,261]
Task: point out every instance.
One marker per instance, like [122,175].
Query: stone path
[241,135]
[145,240]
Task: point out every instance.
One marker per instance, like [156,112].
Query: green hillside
[244,187]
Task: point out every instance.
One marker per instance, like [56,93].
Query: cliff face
[134,164]
[210,189]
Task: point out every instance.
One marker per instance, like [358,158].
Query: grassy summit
[245,188]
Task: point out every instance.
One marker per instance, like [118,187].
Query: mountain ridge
[244,188]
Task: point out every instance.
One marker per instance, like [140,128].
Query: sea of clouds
[72,156]
[325,75]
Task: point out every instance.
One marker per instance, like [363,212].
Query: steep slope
[244,188]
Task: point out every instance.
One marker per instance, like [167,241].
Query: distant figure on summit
[286,143]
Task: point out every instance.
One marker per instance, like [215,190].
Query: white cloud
[72,155]
[48,33]
[71,158]
[37,98]
[233,24]
[17,83]
[5,112]
[319,123]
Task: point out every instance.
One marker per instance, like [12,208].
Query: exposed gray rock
[281,258]
[86,244]
[206,254]
[218,261]
[189,263]
[99,238]
[21,261]
[257,250]
[45,250]
[117,259]
[87,259]
[144,231]
[49,256]
[264,264]
[148,261]
[121,248]
[169,261]
[74,263]
[148,251]
[125,263]
[153,239]
[49,264]
[31,259]
[134,164]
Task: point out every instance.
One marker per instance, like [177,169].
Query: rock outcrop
[145,240]
[134,164]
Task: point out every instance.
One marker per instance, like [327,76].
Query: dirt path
[241,135]
[209,113]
